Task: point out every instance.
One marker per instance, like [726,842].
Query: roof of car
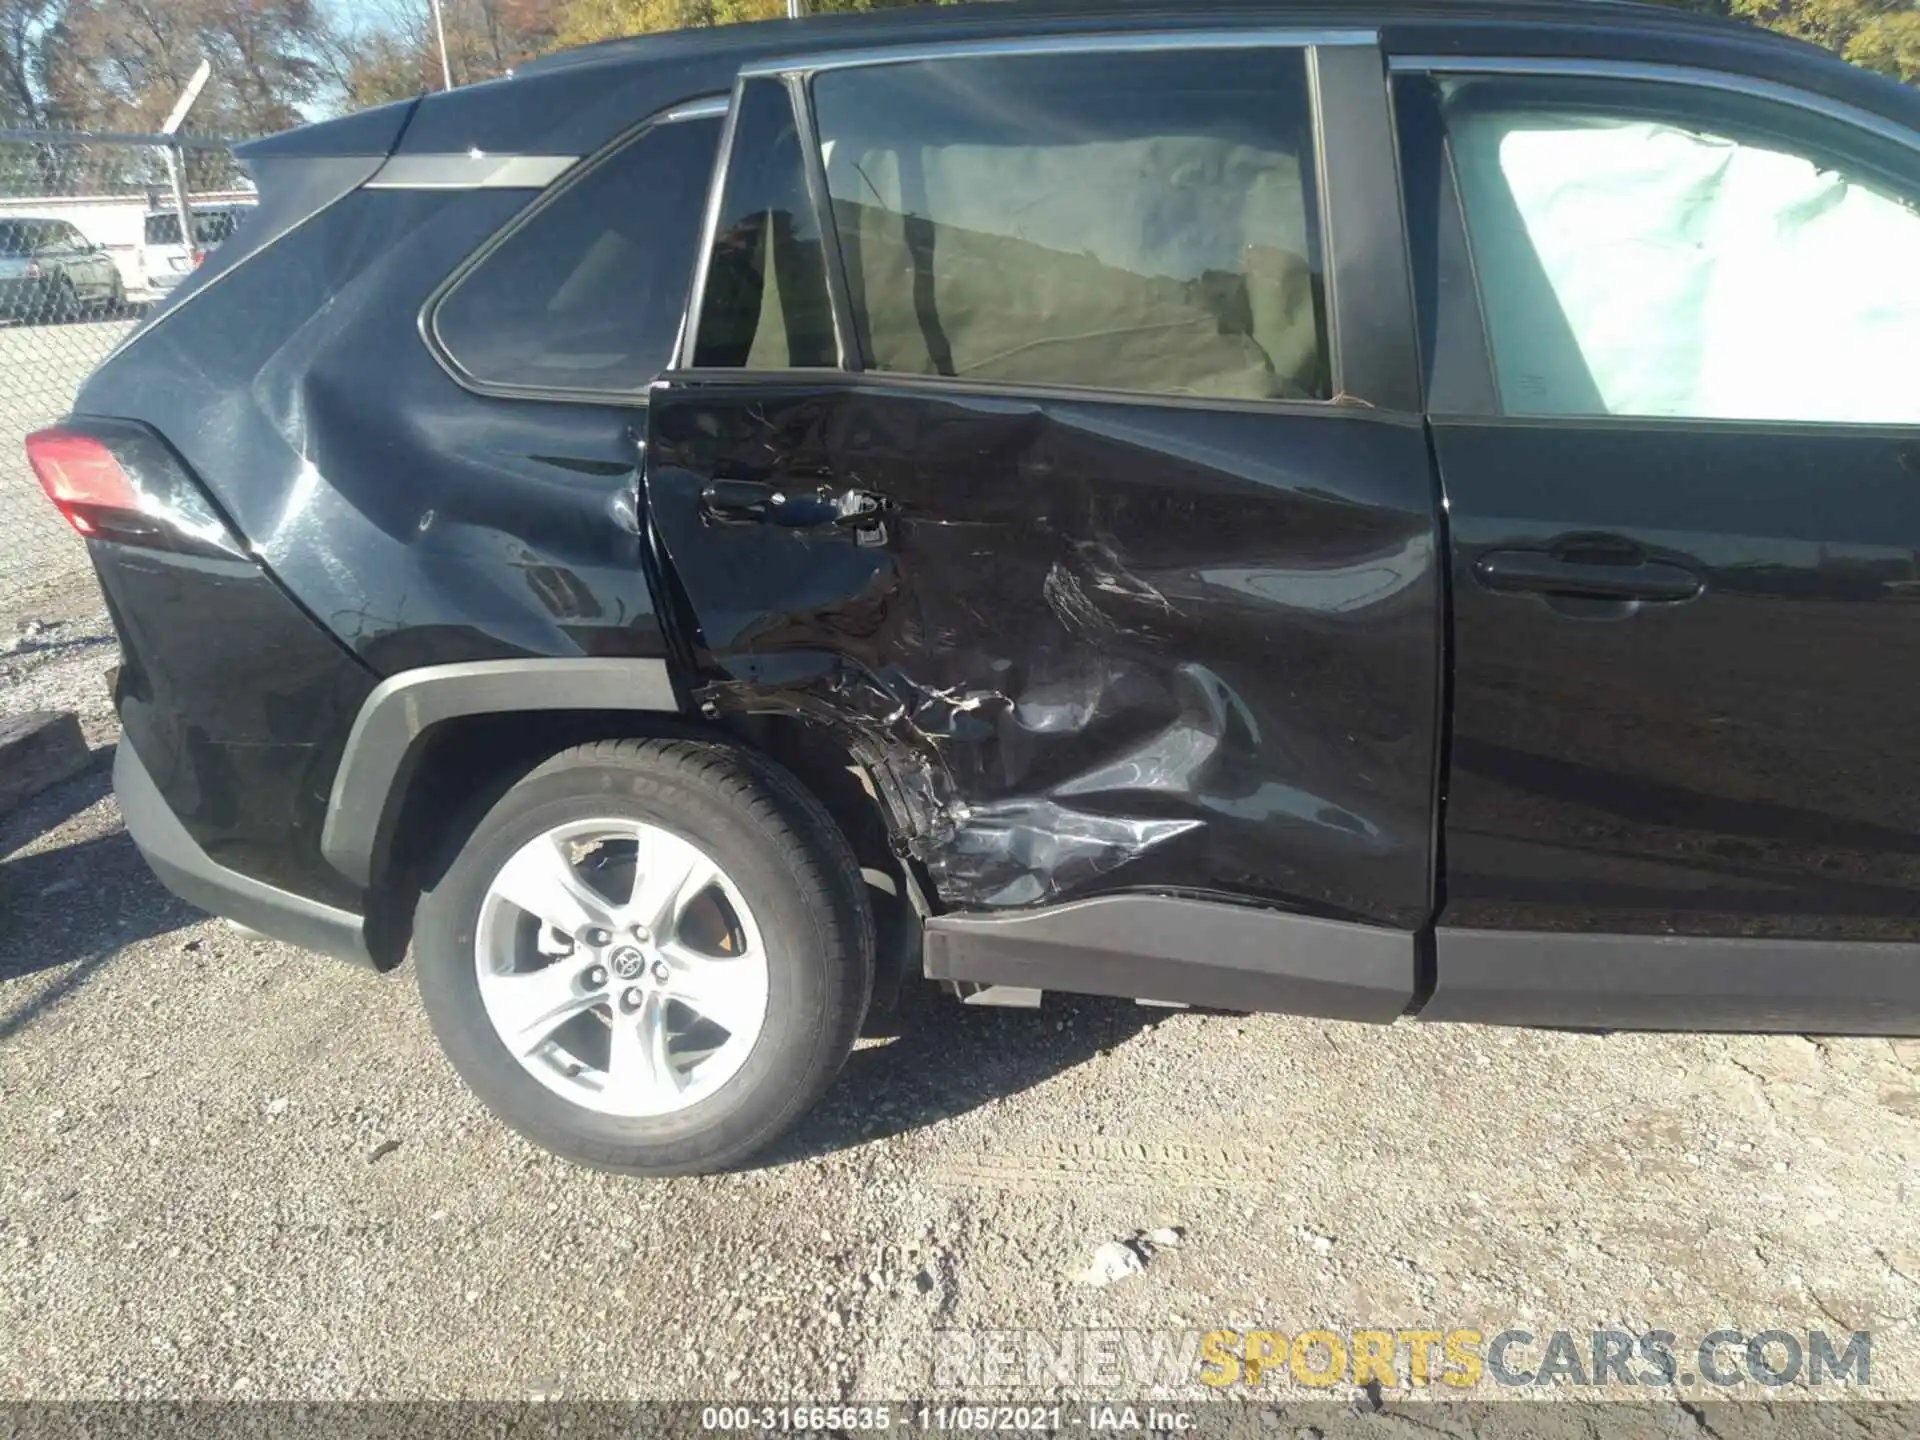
[933,23]
[577,101]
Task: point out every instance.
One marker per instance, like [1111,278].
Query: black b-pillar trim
[1376,343]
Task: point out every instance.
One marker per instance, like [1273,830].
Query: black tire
[64,305]
[798,875]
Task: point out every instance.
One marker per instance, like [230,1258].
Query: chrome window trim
[1654,72]
[702,109]
[1322,213]
[474,170]
[478,170]
[1019,394]
[1252,38]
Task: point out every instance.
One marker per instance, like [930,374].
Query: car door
[55,256]
[77,259]
[1048,428]
[106,269]
[1678,430]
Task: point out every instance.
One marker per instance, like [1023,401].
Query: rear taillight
[199,257]
[33,270]
[81,477]
[118,481]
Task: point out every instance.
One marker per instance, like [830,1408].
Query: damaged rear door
[1048,426]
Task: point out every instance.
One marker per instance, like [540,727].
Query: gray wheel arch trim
[403,707]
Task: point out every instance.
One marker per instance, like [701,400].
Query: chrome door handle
[1536,572]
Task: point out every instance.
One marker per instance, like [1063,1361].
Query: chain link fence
[94,230]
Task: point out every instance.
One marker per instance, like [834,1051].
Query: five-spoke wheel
[621,966]
[648,955]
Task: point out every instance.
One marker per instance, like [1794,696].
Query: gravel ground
[231,1169]
[40,368]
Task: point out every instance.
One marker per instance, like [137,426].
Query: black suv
[1367,511]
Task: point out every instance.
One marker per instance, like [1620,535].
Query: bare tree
[29,29]
[389,51]
[120,64]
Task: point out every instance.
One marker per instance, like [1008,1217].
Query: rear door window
[1132,222]
[587,294]
[1118,221]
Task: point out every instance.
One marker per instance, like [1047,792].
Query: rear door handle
[770,504]
[1536,572]
[737,500]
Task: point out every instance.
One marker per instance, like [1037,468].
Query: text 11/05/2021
[961,1418]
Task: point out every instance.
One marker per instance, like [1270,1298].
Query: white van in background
[165,260]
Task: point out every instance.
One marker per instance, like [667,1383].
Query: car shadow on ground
[43,644]
[942,1059]
[76,905]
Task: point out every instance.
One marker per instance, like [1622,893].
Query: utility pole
[796,8]
[446,65]
[177,158]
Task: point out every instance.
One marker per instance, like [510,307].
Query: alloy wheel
[621,967]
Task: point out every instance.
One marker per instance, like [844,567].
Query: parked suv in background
[165,258]
[1365,512]
[50,271]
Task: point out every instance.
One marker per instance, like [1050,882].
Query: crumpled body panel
[1086,646]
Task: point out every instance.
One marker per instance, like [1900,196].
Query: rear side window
[28,237]
[1134,222]
[587,293]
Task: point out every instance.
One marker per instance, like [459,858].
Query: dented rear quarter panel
[1098,644]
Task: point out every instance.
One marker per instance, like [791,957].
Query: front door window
[1646,250]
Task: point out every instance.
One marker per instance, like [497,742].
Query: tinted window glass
[24,237]
[766,305]
[216,225]
[1132,222]
[210,227]
[588,293]
[1645,250]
